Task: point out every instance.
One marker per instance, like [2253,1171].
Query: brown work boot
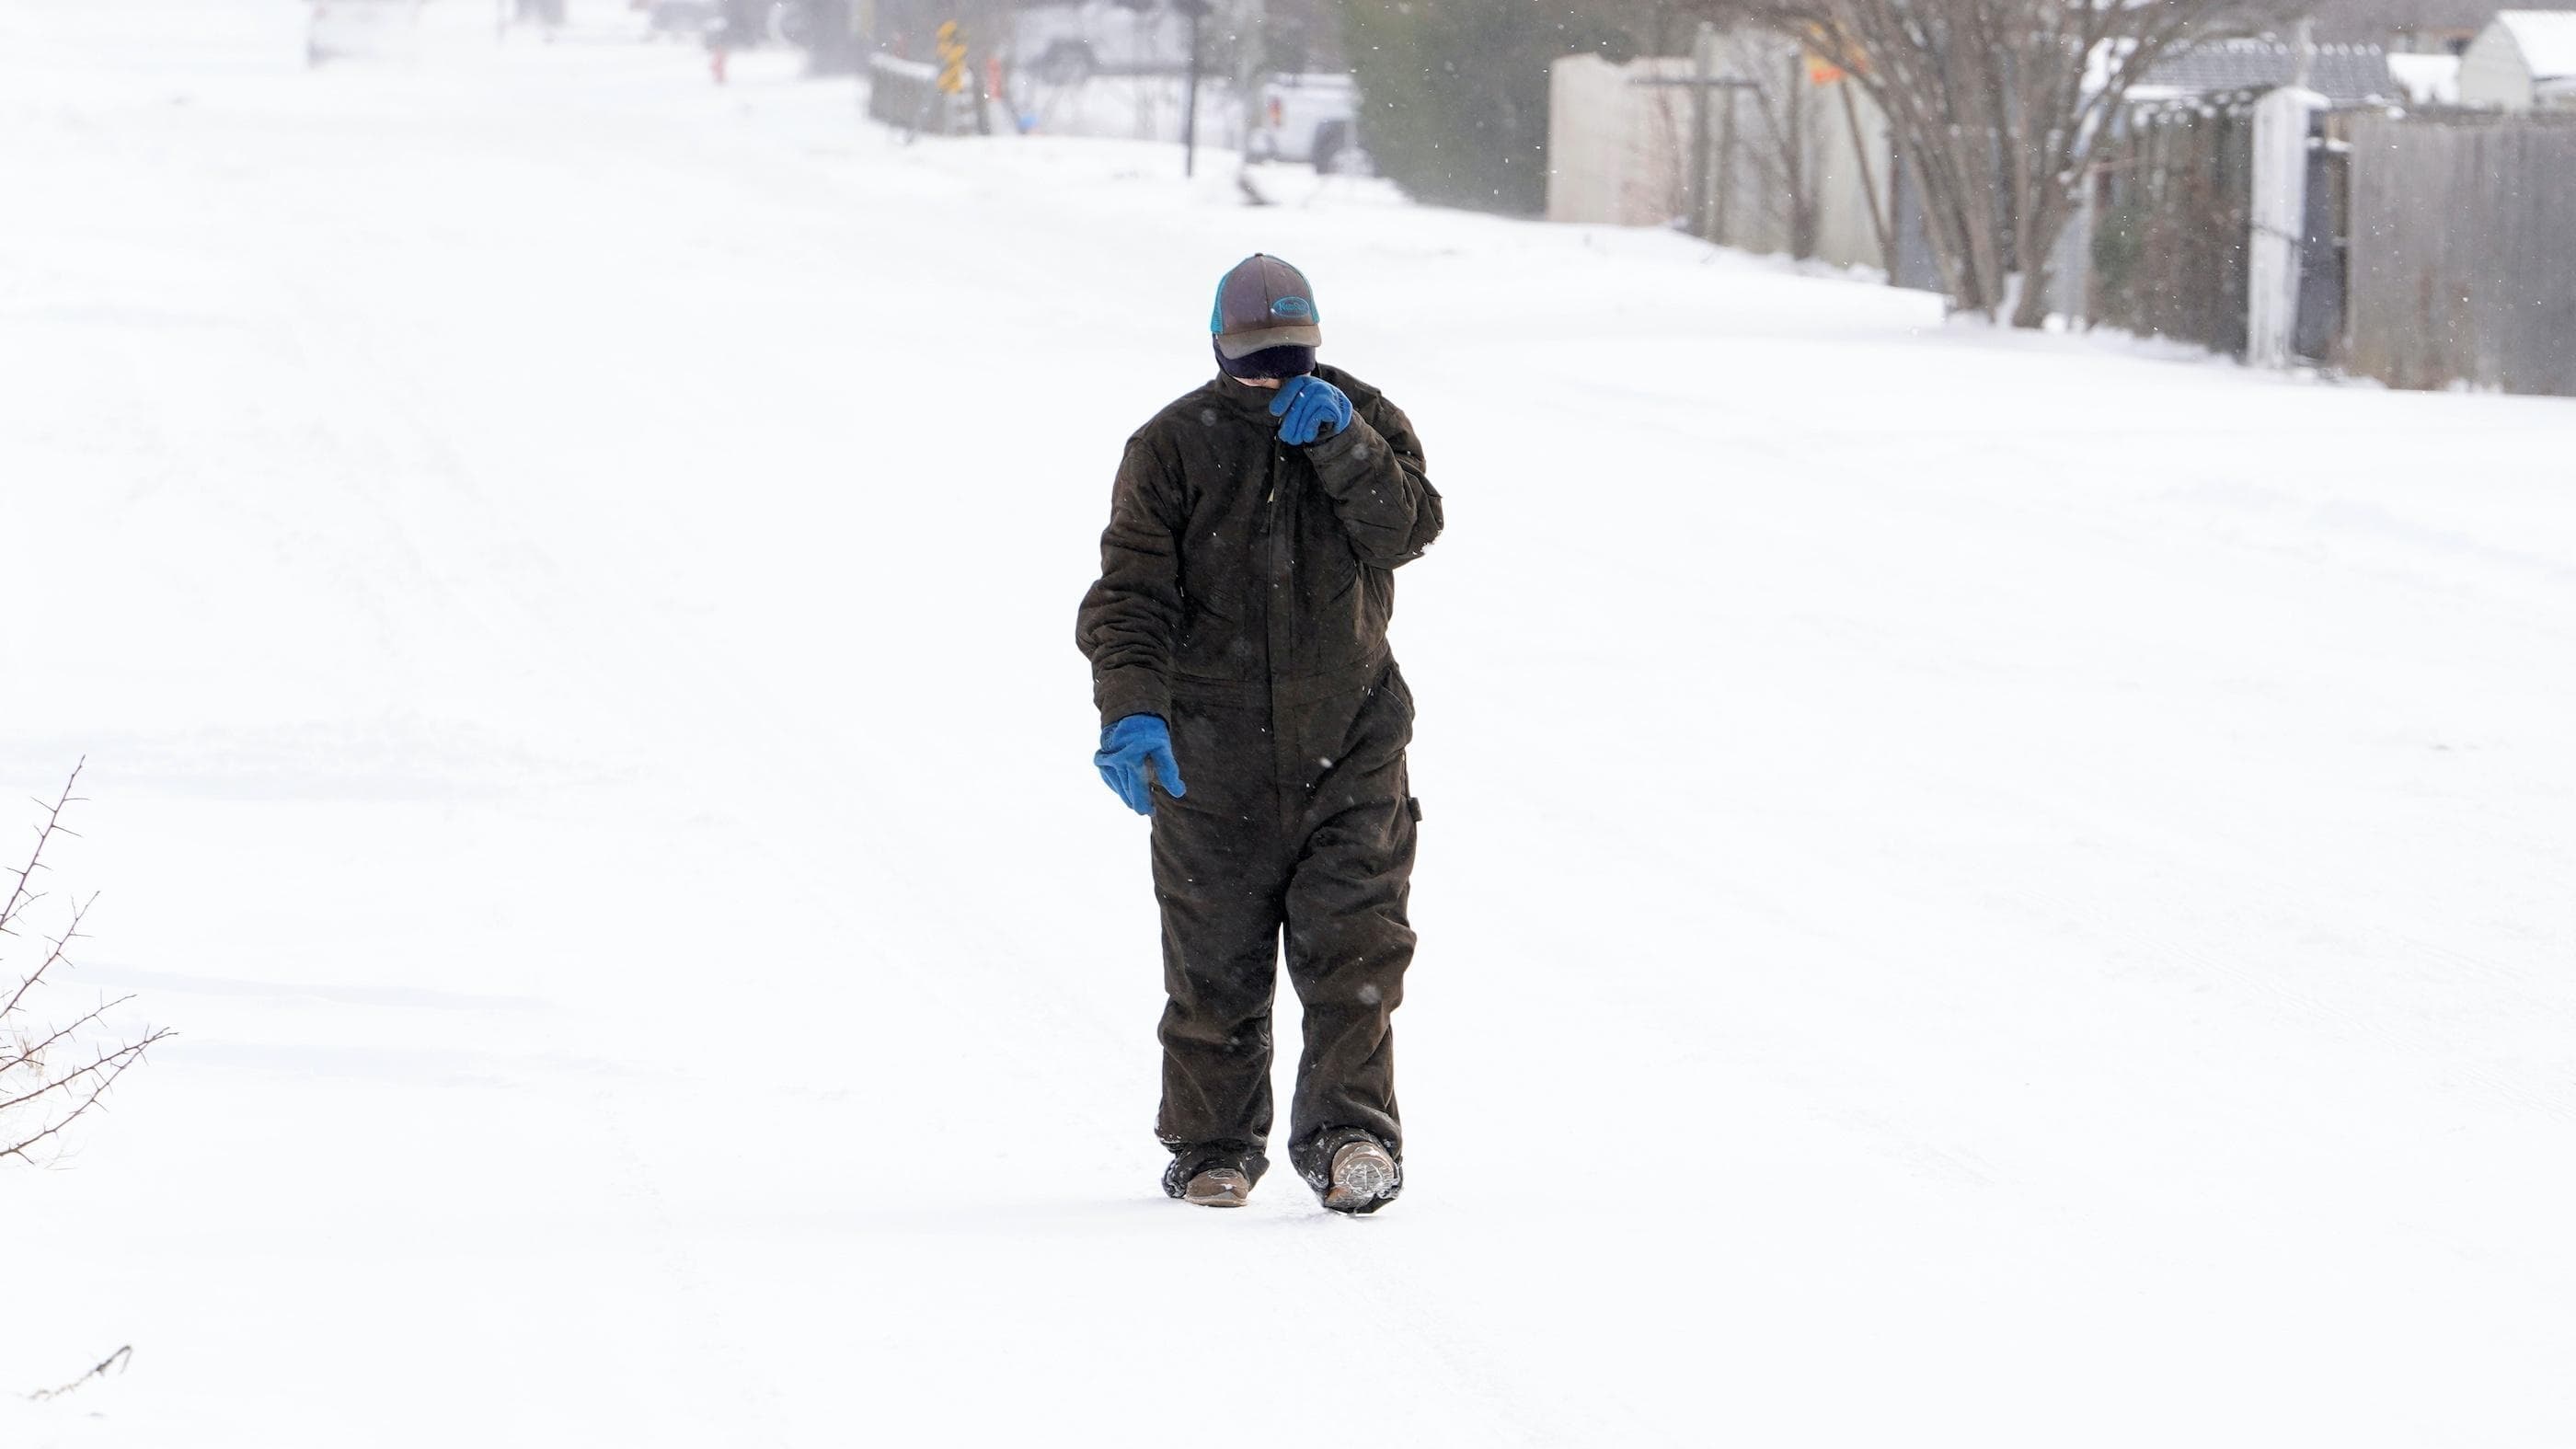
[1218,1187]
[1363,1173]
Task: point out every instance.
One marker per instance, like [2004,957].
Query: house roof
[2546,38]
[2338,72]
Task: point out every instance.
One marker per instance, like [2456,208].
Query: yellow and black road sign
[952,57]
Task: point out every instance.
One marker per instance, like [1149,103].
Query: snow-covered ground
[1977,889]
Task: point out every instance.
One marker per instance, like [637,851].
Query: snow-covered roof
[2546,38]
[2339,72]
[2430,80]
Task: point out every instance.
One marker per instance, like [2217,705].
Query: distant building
[1792,156]
[1618,140]
[2525,60]
[2406,27]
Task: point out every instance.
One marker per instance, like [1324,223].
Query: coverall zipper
[1276,565]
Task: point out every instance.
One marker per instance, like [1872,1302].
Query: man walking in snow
[1238,634]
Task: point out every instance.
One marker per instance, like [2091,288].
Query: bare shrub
[53,1071]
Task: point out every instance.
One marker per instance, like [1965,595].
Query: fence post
[2279,225]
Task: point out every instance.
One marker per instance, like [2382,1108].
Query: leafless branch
[30,1052]
[100,1075]
[19,899]
[53,958]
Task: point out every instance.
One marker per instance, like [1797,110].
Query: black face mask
[1269,362]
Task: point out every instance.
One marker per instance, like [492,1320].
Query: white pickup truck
[1311,118]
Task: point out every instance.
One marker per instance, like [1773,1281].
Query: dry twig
[114,1362]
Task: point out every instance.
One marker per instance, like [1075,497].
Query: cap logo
[1296,307]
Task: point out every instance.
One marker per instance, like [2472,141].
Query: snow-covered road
[2029,881]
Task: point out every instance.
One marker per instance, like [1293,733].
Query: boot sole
[1362,1180]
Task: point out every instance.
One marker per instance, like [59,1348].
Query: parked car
[338,29]
[1311,118]
[1069,43]
[679,19]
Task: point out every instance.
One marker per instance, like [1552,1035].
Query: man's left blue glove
[1309,408]
[1131,747]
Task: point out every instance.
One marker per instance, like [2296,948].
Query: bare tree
[1780,160]
[51,1075]
[1996,107]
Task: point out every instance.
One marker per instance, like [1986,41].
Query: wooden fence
[2171,207]
[2463,252]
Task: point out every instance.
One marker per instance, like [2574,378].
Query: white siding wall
[1614,149]
[1845,234]
[1619,152]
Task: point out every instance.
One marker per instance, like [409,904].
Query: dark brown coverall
[1244,592]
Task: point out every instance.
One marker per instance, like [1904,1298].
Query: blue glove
[1131,747]
[1309,408]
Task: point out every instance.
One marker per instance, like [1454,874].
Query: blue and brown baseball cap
[1264,303]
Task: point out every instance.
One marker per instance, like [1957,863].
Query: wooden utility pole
[1802,204]
[1703,74]
[1197,11]
[1251,20]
